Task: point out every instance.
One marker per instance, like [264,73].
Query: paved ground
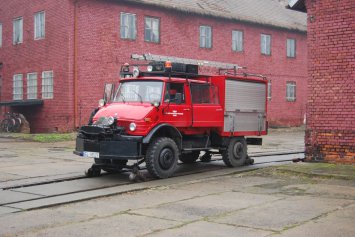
[291,200]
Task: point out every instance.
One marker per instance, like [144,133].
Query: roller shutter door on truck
[245,106]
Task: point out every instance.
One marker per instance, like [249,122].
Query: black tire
[236,152]
[162,157]
[189,158]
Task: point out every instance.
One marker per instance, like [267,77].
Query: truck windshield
[139,91]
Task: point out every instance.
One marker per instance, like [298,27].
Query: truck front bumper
[125,148]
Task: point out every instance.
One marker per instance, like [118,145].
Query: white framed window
[39,26]
[32,85]
[47,85]
[205,37]
[269,90]
[265,44]
[237,40]
[18,30]
[0,35]
[152,29]
[128,26]
[17,87]
[291,91]
[291,48]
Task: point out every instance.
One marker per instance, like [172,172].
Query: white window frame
[39,25]
[205,37]
[0,35]
[291,48]
[265,44]
[237,40]
[32,83]
[269,90]
[152,29]
[291,91]
[17,37]
[17,92]
[128,26]
[47,85]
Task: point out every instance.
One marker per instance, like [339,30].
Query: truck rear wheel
[189,158]
[236,152]
[161,157]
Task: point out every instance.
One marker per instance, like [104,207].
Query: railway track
[78,188]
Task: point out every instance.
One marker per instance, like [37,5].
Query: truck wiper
[123,99]
[140,97]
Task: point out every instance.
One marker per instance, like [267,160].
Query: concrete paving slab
[207,206]
[125,225]
[37,180]
[7,196]
[95,208]
[68,198]
[230,183]
[47,169]
[50,201]
[77,185]
[283,214]
[6,176]
[7,210]
[339,223]
[208,229]
[324,190]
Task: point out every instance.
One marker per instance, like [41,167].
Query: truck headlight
[110,120]
[132,127]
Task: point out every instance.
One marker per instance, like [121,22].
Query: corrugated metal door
[245,106]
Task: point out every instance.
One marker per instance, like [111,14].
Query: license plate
[91,154]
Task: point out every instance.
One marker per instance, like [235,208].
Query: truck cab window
[171,90]
[204,94]
[139,91]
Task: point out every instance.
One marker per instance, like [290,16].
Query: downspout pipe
[75,84]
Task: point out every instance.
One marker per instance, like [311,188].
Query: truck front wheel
[236,152]
[161,157]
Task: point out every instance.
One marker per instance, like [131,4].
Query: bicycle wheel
[17,124]
[6,125]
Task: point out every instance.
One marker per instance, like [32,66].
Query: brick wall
[51,53]
[101,52]
[330,134]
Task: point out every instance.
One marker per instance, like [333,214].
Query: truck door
[207,112]
[176,110]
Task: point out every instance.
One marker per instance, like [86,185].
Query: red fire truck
[170,112]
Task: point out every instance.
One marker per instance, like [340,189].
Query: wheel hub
[166,158]
[238,150]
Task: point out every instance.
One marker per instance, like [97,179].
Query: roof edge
[216,15]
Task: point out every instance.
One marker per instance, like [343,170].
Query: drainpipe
[75,65]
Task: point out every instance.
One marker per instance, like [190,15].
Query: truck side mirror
[178,98]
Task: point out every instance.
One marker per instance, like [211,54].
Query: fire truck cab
[171,112]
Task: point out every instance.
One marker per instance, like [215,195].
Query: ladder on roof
[161,58]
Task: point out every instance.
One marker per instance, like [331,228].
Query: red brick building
[56,57]
[330,134]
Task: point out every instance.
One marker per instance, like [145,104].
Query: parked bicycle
[11,123]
